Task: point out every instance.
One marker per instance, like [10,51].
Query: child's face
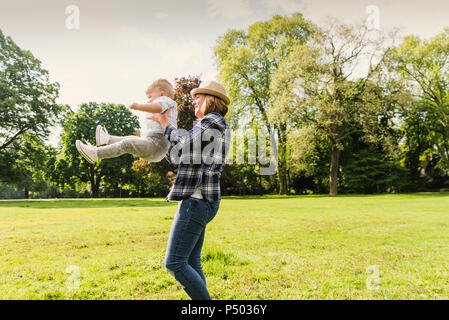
[152,94]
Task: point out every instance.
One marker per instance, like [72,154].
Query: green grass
[271,247]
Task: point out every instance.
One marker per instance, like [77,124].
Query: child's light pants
[152,148]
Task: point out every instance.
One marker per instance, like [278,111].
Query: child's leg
[115,139]
[137,146]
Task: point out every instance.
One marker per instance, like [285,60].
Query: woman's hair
[163,85]
[214,104]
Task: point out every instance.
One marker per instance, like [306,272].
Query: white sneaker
[102,136]
[88,151]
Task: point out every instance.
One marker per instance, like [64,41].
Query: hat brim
[210,92]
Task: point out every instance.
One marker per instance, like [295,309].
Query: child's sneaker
[102,136]
[88,151]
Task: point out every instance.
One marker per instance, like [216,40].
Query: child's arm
[154,107]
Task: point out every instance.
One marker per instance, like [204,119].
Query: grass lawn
[271,247]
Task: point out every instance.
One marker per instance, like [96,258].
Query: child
[151,145]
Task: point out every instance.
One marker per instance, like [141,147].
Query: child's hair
[163,85]
[214,104]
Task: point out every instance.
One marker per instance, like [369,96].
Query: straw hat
[213,88]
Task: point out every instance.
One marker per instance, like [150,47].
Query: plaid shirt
[200,157]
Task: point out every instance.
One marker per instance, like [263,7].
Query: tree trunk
[27,193]
[335,164]
[282,173]
[95,190]
[282,156]
[282,182]
[95,181]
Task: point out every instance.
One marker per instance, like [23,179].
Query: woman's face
[198,103]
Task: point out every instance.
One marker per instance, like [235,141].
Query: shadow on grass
[86,203]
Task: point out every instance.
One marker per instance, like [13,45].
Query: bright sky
[120,47]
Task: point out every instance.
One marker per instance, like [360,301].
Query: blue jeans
[183,256]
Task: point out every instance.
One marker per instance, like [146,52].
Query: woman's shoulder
[214,118]
[214,121]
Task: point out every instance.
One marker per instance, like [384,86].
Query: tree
[327,85]
[71,169]
[186,111]
[246,61]
[150,179]
[310,160]
[27,106]
[417,143]
[419,69]
[366,168]
[27,164]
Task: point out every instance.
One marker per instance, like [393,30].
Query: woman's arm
[182,138]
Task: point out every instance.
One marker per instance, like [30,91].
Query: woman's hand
[162,118]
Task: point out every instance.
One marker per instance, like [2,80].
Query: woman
[197,185]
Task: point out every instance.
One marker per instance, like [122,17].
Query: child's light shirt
[152,126]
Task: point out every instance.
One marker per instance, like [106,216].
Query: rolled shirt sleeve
[164,102]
